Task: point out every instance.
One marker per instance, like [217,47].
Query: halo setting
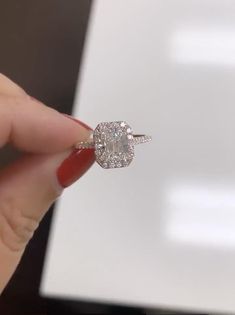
[114,146]
[113,143]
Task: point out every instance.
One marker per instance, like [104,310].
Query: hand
[31,184]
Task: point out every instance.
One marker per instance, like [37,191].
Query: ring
[113,143]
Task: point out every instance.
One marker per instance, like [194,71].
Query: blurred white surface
[161,232]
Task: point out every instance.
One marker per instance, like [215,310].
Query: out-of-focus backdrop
[158,235]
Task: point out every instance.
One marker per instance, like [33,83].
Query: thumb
[27,189]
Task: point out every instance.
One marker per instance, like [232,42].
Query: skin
[29,186]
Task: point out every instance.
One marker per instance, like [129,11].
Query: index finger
[33,127]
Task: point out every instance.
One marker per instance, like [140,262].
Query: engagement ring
[113,143]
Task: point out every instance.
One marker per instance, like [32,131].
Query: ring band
[113,143]
[137,139]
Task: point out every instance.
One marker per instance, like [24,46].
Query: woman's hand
[30,185]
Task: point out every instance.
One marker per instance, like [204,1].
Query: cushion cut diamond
[114,145]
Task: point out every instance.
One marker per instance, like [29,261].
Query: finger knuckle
[12,102]
[16,228]
[20,99]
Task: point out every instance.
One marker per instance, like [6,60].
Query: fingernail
[78,121]
[74,166]
[77,163]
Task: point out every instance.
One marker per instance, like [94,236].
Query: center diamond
[114,144]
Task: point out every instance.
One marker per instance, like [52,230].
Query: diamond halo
[114,147]
[113,143]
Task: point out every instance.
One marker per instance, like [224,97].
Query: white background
[161,232]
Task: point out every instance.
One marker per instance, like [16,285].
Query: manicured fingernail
[77,163]
[79,122]
[74,166]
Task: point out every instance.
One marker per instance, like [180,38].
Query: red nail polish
[75,166]
[79,122]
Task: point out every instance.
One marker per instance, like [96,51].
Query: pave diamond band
[85,145]
[113,143]
[137,139]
